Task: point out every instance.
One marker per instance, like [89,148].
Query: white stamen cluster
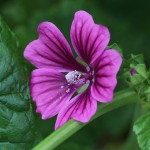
[73,77]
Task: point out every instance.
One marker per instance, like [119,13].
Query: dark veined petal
[89,39]
[50,91]
[81,108]
[106,68]
[51,50]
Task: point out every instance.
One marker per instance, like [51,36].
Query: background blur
[128,22]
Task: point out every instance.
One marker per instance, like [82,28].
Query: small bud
[137,76]
[133,71]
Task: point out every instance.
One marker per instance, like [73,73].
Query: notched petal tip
[83,14]
[44,26]
[27,51]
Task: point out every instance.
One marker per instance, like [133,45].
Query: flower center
[77,79]
[74,77]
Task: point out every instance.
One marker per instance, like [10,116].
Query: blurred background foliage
[128,22]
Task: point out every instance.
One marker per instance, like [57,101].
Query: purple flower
[59,75]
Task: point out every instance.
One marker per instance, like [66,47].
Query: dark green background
[128,22]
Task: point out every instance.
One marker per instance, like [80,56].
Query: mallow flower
[59,75]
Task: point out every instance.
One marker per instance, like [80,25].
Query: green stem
[57,137]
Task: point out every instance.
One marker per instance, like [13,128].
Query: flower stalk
[121,98]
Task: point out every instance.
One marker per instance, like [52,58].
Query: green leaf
[141,69]
[116,47]
[137,59]
[142,130]
[16,117]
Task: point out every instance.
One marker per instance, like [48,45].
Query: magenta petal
[51,50]
[88,38]
[81,108]
[106,68]
[49,90]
